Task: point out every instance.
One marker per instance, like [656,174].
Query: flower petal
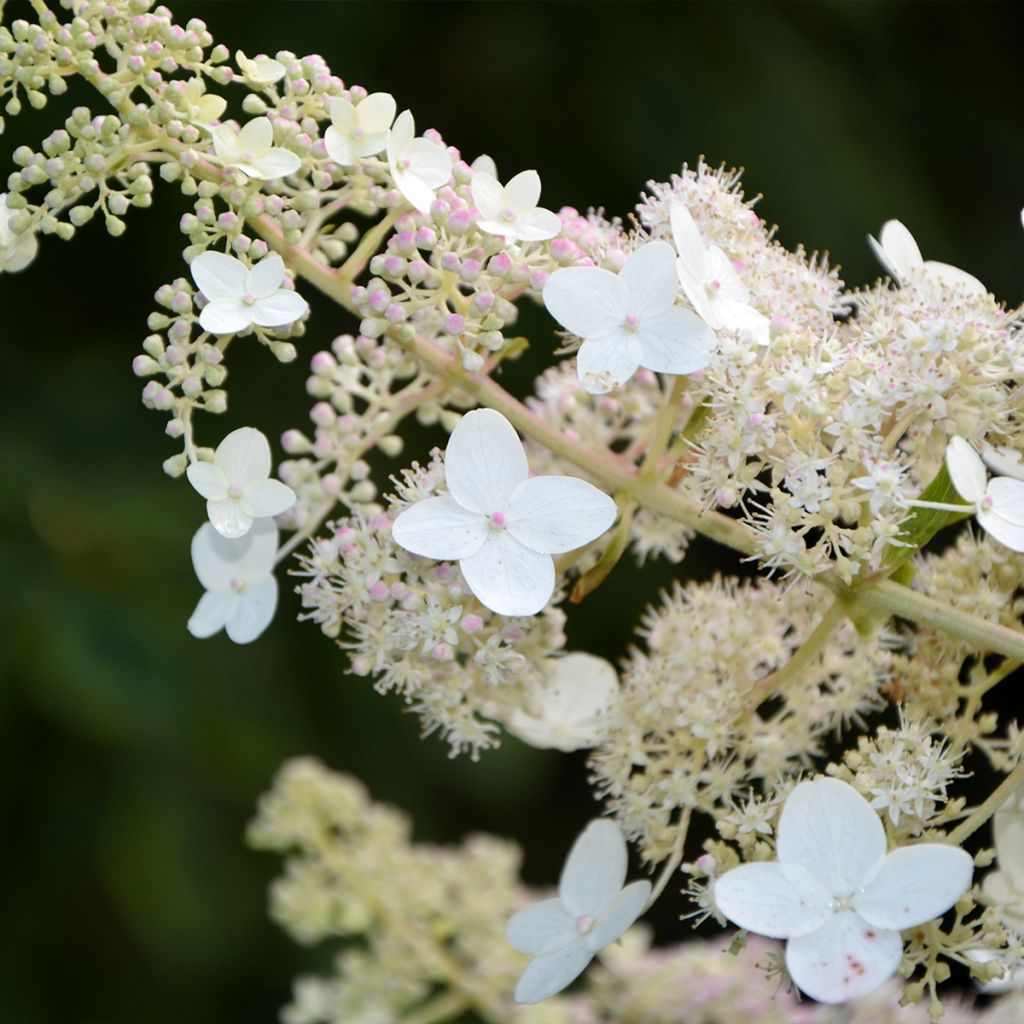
[1007,497]
[727,282]
[277,310]
[375,112]
[401,135]
[952,277]
[552,514]
[416,190]
[844,959]
[244,455]
[625,909]
[769,899]
[541,928]
[650,274]
[1003,460]
[225,316]
[966,470]
[693,255]
[509,578]
[278,163]
[431,163]
[343,116]
[256,137]
[209,480]
[829,829]
[219,276]
[253,611]
[256,551]
[896,250]
[266,276]
[484,461]
[1008,833]
[677,341]
[229,518]
[550,973]
[522,192]
[225,144]
[606,363]
[1008,533]
[219,561]
[594,870]
[916,883]
[588,301]
[487,195]
[538,225]
[440,528]
[340,148]
[267,498]
[212,612]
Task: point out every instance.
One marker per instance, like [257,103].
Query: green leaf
[923,523]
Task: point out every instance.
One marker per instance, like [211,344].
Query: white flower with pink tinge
[498,522]
[897,251]
[592,910]
[358,131]
[836,893]
[239,297]
[237,484]
[251,150]
[241,591]
[418,166]
[511,210]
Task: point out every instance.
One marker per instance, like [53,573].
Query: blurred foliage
[132,755]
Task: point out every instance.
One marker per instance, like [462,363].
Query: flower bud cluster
[414,625]
[699,720]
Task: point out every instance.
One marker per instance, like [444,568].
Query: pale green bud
[391,445]
[176,465]
[284,351]
[115,226]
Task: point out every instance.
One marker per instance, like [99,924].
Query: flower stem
[444,1007]
[674,859]
[981,814]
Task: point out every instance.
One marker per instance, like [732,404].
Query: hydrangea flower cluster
[704,381]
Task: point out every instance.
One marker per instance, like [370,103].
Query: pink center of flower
[584,923]
[358,134]
[237,584]
[235,491]
[986,504]
[631,322]
[713,286]
[508,216]
[249,299]
[248,157]
[404,164]
[497,520]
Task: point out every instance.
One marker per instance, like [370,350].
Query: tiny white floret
[836,895]
[592,910]
[240,297]
[237,484]
[418,166]
[897,251]
[710,281]
[629,319]
[252,151]
[511,210]
[998,503]
[498,522]
[572,708]
[241,591]
[359,131]
[16,251]
[261,69]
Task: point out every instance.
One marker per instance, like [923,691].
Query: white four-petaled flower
[239,297]
[592,910]
[237,484]
[836,893]
[998,503]
[358,131]
[629,319]
[241,591]
[252,151]
[261,69]
[16,251]
[511,210]
[897,251]
[501,524]
[418,166]
[571,710]
[710,280]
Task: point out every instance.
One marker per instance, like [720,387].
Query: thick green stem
[981,814]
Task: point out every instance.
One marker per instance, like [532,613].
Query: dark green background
[131,754]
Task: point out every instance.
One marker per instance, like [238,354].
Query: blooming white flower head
[418,166]
[592,910]
[629,319]
[502,525]
[1005,887]
[710,281]
[511,210]
[237,484]
[252,151]
[572,705]
[998,503]
[261,69]
[239,297]
[836,894]
[358,131]
[16,251]
[897,251]
[241,591]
